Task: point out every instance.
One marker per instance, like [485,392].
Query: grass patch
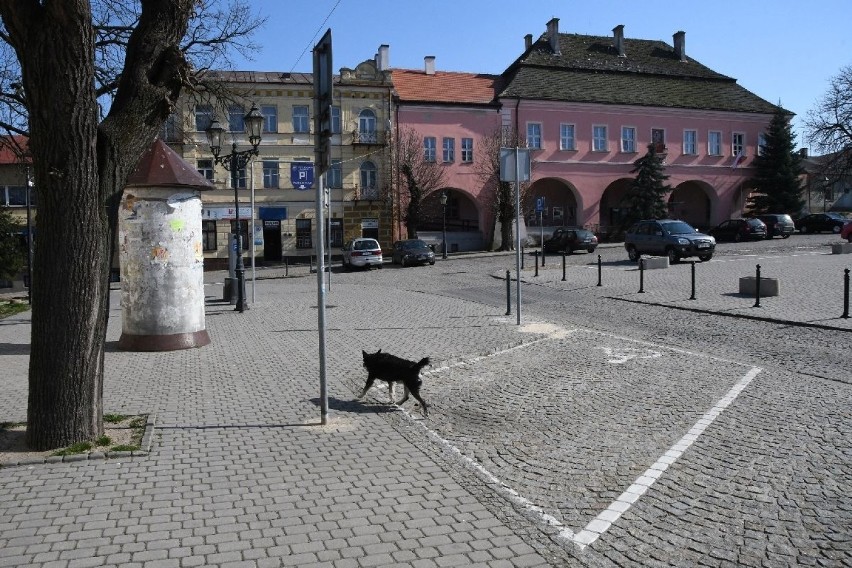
[103,441]
[11,308]
[124,448]
[138,423]
[78,448]
[114,418]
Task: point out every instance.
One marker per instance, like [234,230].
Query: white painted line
[604,520]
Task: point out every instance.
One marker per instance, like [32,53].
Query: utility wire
[313,39]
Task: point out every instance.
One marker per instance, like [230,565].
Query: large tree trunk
[80,170]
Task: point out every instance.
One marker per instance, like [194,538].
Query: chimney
[680,45]
[527,41]
[618,39]
[382,62]
[429,64]
[553,35]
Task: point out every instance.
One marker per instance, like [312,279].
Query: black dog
[391,369]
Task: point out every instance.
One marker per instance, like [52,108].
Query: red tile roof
[9,148]
[444,87]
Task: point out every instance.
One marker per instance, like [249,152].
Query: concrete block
[768,286]
[841,248]
[652,262]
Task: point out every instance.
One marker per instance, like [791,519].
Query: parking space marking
[619,355]
[601,523]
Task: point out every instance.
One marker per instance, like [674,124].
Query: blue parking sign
[539,204]
[302,175]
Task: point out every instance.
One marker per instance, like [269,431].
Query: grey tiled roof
[589,69]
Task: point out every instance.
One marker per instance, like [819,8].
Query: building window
[566,137]
[270,174]
[203,117]
[241,179]
[599,143]
[714,143]
[208,236]
[761,144]
[244,232]
[335,120]
[534,136]
[170,131]
[334,175]
[429,150]
[628,139]
[300,120]
[690,139]
[738,144]
[270,118]
[658,139]
[467,150]
[449,150]
[367,126]
[236,115]
[303,234]
[16,197]
[205,168]
[369,183]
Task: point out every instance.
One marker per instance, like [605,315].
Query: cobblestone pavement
[575,439]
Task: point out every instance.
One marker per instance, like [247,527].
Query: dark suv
[668,237]
[777,224]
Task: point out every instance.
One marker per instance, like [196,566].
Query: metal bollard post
[543,256]
[508,293]
[757,289]
[286,266]
[522,258]
[536,262]
[692,296]
[599,270]
[845,294]
[641,275]
[563,267]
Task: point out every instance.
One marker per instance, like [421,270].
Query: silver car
[362,253]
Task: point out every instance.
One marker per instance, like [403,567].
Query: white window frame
[467,150]
[761,143]
[236,118]
[430,148]
[567,136]
[738,143]
[690,142]
[203,117]
[270,118]
[448,150]
[599,143]
[334,175]
[301,119]
[207,169]
[714,143]
[335,120]
[534,135]
[271,174]
[628,139]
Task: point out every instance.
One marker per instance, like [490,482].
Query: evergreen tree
[645,199]
[12,257]
[777,186]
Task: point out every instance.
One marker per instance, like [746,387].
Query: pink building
[588,107]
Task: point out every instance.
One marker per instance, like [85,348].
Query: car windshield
[583,234]
[755,222]
[414,245]
[365,245]
[837,216]
[679,228]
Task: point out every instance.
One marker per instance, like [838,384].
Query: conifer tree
[645,199]
[777,186]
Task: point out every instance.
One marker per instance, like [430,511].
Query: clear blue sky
[781,50]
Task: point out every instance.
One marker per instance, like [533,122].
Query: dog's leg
[390,392]
[415,392]
[404,393]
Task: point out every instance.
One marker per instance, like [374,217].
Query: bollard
[563,267]
[599,270]
[641,275]
[286,266]
[692,296]
[757,288]
[536,262]
[508,293]
[522,258]
[543,256]
[845,293]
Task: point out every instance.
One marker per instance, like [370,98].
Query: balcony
[372,138]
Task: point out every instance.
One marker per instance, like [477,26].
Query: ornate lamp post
[234,162]
[444,205]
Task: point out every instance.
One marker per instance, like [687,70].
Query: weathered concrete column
[161,255]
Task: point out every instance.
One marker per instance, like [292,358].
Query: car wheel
[835,229]
[672,254]
[632,253]
[590,250]
[849,238]
[403,262]
[804,229]
[785,236]
[705,257]
[431,263]
[346,266]
[738,237]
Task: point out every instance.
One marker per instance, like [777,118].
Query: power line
[313,39]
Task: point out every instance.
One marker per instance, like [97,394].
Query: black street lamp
[444,205]
[234,162]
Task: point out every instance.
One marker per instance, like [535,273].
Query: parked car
[738,230]
[362,253]
[412,251]
[571,239]
[846,232]
[670,237]
[818,222]
[778,225]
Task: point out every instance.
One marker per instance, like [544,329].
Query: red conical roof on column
[160,166]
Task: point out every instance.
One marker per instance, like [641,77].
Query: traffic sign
[539,204]
[302,175]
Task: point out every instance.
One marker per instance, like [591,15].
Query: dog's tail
[422,363]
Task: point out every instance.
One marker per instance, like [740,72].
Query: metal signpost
[515,166]
[539,208]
